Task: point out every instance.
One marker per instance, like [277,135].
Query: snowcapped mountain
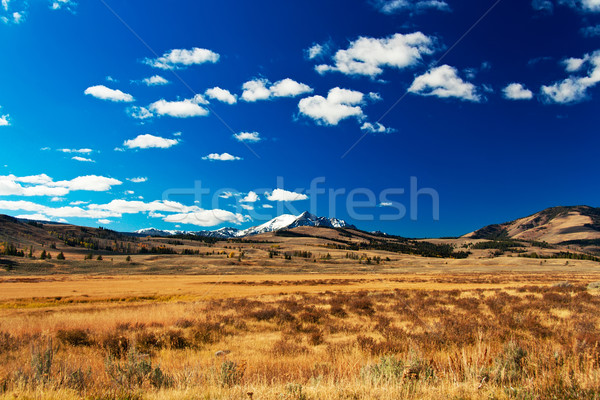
[285,221]
[277,223]
[223,233]
[308,219]
[157,232]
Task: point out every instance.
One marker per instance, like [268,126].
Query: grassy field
[301,336]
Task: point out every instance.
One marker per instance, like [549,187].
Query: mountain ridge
[284,221]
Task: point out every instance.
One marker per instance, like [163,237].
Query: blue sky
[111,112]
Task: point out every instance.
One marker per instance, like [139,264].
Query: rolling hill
[556,225]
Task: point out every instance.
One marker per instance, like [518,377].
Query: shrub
[287,348]
[337,310]
[7,342]
[147,342]
[184,323]
[264,315]
[388,369]
[508,366]
[311,315]
[116,345]
[78,379]
[41,361]
[206,332]
[231,373]
[175,339]
[391,369]
[316,338]
[74,337]
[294,391]
[136,371]
[362,306]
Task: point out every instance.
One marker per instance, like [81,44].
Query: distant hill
[556,225]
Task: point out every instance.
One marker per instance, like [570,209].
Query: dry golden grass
[338,336]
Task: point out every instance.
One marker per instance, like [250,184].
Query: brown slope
[553,225]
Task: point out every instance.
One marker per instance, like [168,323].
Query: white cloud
[516,91]
[574,64]
[221,157]
[92,183]
[368,56]
[590,31]
[44,190]
[116,208]
[285,195]
[59,4]
[129,192]
[385,204]
[339,104]
[247,207]
[377,127]
[4,119]
[251,197]
[33,217]
[81,151]
[180,109]
[134,207]
[57,199]
[155,80]
[182,58]
[103,93]
[150,142]
[545,6]
[38,179]
[206,218]
[444,82]
[78,203]
[222,95]
[82,159]
[13,18]
[43,185]
[105,221]
[256,90]
[9,187]
[139,179]
[574,88]
[60,212]
[591,6]
[226,195]
[289,88]
[315,51]
[267,206]
[395,6]
[373,96]
[262,89]
[139,112]
[250,137]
